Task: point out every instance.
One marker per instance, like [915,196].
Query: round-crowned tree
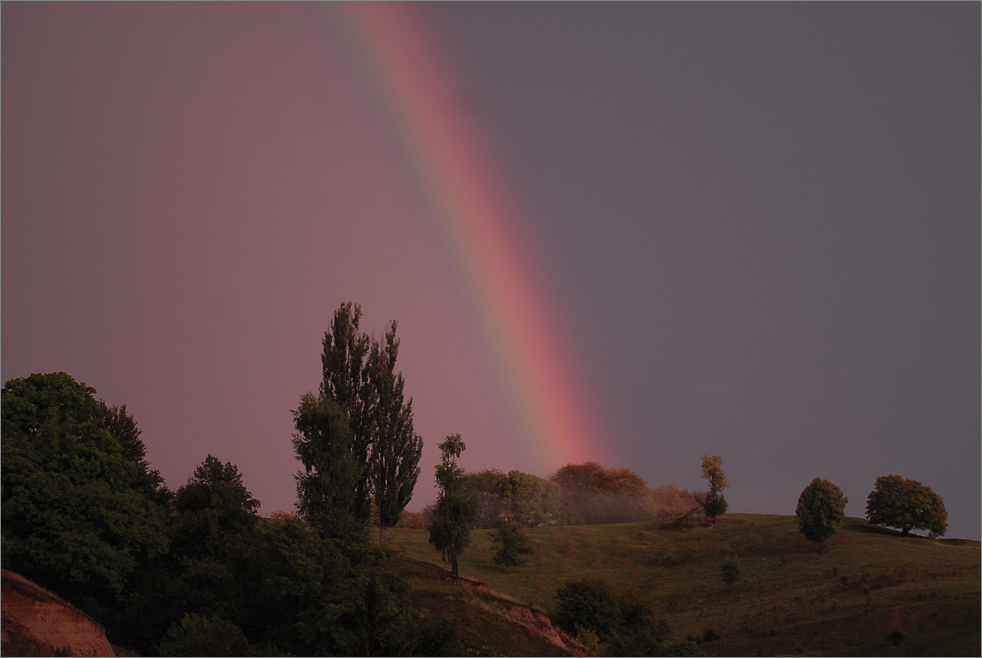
[821,508]
[906,504]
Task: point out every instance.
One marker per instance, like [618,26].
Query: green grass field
[790,600]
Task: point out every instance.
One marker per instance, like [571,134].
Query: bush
[589,604]
[512,544]
[200,635]
[821,508]
[731,570]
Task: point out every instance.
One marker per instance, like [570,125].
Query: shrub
[589,604]
[512,544]
[731,570]
[200,635]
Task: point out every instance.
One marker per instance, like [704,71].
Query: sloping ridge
[36,622]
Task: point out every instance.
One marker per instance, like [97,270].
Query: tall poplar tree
[356,439]
[397,448]
[345,381]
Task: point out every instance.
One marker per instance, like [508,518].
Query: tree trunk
[381,535]
[455,574]
[905,532]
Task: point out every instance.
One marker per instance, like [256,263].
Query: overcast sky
[757,225]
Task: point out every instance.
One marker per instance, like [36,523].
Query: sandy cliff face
[36,622]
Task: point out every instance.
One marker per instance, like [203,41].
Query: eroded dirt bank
[35,622]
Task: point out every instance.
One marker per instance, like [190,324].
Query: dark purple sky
[760,224]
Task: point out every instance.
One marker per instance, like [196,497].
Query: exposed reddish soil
[534,620]
[36,622]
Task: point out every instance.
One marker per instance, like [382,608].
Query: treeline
[576,494]
[194,571]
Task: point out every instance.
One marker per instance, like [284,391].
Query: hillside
[38,623]
[873,593]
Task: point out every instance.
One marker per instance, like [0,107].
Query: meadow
[873,592]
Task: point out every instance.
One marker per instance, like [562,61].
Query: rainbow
[453,177]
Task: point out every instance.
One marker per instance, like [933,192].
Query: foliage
[327,486]
[455,510]
[396,448]
[512,545]
[821,508]
[593,494]
[356,439]
[80,506]
[204,635]
[616,624]
[488,489]
[906,504]
[731,570]
[714,504]
[587,604]
[516,497]
[670,502]
[345,381]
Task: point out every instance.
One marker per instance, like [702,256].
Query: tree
[906,504]
[396,446]
[327,486]
[345,380]
[359,378]
[80,509]
[821,508]
[714,503]
[512,545]
[455,510]
[488,489]
[594,494]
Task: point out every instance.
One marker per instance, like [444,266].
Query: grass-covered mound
[873,593]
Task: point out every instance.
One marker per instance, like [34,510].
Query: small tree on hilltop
[714,503]
[821,508]
[906,504]
[455,511]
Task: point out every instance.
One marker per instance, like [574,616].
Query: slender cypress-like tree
[396,446]
[356,439]
[455,511]
[344,361]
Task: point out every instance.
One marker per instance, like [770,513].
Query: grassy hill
[873,593]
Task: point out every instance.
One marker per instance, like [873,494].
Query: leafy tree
[594,494]
[488,487]
[327,486]
[344,362]
[80,507]
[906,504]
[217,544]
[359,377]
[512,545]
[455,511]
[396,446]
[821,508]
[714,504]
[533,501]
